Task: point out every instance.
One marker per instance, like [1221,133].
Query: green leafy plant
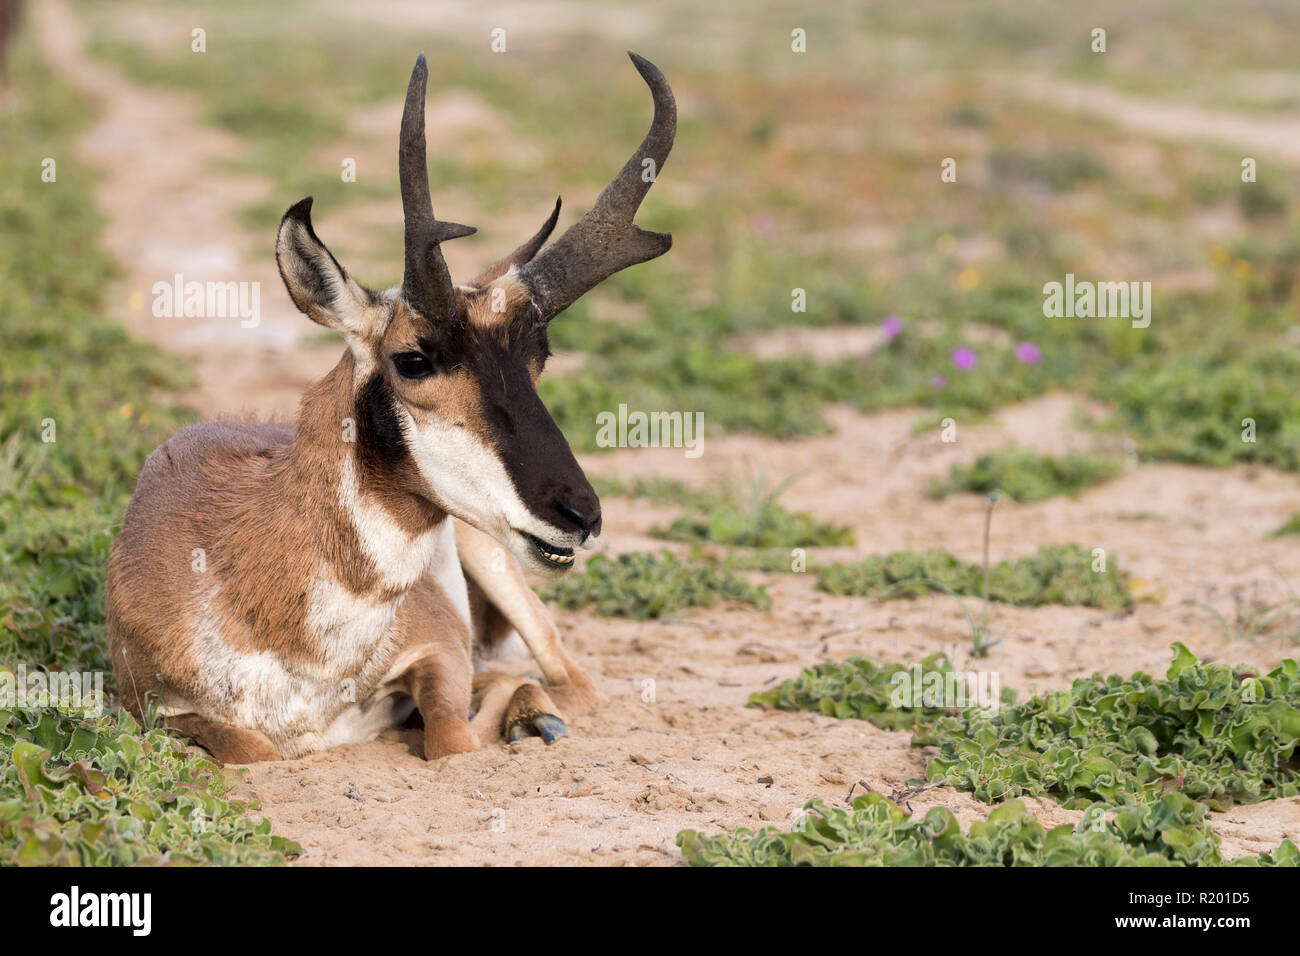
[1191,408]
[1025,476]
[874,831]
[870,690]
[749,514]
[103,791]
[643,585]
[1210,732]
[1056,574]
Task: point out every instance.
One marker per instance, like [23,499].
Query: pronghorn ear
[320,287]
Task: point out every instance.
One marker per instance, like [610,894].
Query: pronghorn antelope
[279,589]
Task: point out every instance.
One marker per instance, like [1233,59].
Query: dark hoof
[547,726]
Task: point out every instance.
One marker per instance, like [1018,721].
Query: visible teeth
[560,560]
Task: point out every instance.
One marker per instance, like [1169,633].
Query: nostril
[576,517]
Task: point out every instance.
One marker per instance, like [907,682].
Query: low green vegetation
[1056,574]
[1211,408]
[1291,527]
[874,831]
[83,406]
[643,585]
[750,515]
[1025,476]
[871,690]
[103,791]
[1143,757]
[1217,734]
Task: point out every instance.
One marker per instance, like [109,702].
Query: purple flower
[762,223]
[938,382]
[964,358]
[891,326]
[1029,353]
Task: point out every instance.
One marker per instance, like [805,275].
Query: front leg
[505,588]
[441,684]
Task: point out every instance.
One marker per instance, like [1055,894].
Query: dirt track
[632,775]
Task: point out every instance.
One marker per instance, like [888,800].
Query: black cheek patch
[381,446]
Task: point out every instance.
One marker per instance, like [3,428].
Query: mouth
[554,555]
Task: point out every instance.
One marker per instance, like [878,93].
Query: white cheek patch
[399,558]
[470,481]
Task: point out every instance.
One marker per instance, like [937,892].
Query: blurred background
[817,171]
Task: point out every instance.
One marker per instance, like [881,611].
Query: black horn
[605,240]
[426,283]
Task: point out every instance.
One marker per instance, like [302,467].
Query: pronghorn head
[445,375]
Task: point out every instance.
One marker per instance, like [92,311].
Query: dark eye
[412,365]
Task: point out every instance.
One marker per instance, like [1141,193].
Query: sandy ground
[676,747]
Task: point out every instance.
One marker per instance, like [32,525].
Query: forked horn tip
[660,241]
[442,231]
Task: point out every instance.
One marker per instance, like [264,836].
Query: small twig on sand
[861,783]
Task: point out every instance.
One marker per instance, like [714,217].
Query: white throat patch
[399,558]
